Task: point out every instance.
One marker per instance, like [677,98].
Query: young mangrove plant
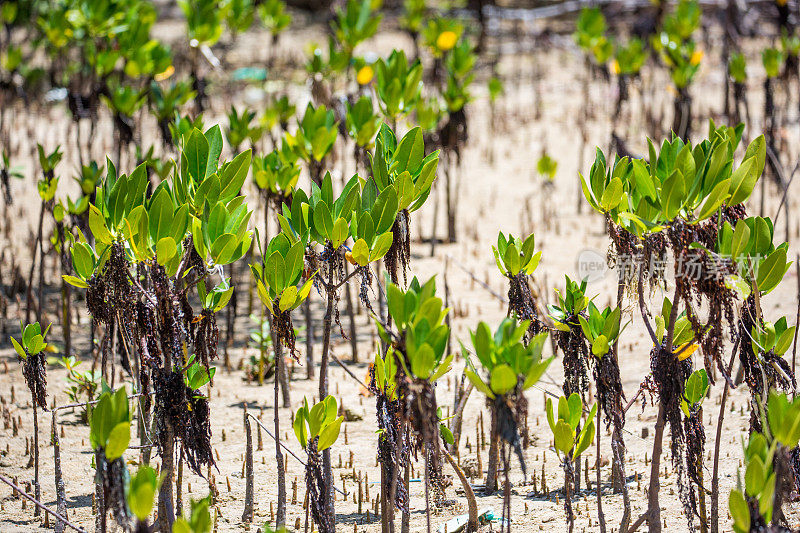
[601,330]
[139,494]
[403,168]
[316,430]
[30,348]
[680,53]
[512,366]
[570,442]
[150,253]
[517,261]
[756,504]
[109,435]
[418,342]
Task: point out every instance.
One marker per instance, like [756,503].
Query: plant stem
[247,514]
[309,339]
[36,247]
[472,504]
[653,507]
[61,500]
[37,489]
[601,517]
[717,443]
[280,518]
[327,323]
[490,485]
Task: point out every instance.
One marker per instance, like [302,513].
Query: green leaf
[75,282]
[585,439]
[196,152]
[234,175]
[479,383]
[563,437]
[612,195]
[771,270]
[323,221]
[329,434]
[19,349]
[118,441]
[340,232]
[97,225]
[288,298]
[503,379]
[382,245]
[743,180]
[672,195]
[165,249]
[740,240]
[715,199]
[361,252]
[299,427]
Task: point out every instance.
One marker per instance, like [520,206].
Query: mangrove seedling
[30,348]
[569,442]
[512,366]
[317,429]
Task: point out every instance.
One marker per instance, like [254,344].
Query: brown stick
[61,500]
[247,514]
[472,504]
[717,442]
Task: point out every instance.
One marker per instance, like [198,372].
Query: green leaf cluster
[398,84]
[319,421]
[419,316]
[760,264]
[601,328]
[694,391]
[567,439]
[510,364]
[570,305]
[278,277]
[692,183]
[513,255]
[110,424]
[315,135]
[31,340]
[772,337]
[404,167]
[198,520]
[141,489]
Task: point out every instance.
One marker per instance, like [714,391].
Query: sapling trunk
[352,318]
[99,497]
[490,485]
[37,489]
[61,499]
[601,517]
[327,324]
[309,339]
[36,248]
[472,504]
[179,488]
[280,518]
[247,514]
[653,506]
[717,444]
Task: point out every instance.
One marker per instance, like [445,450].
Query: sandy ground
[500,190]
